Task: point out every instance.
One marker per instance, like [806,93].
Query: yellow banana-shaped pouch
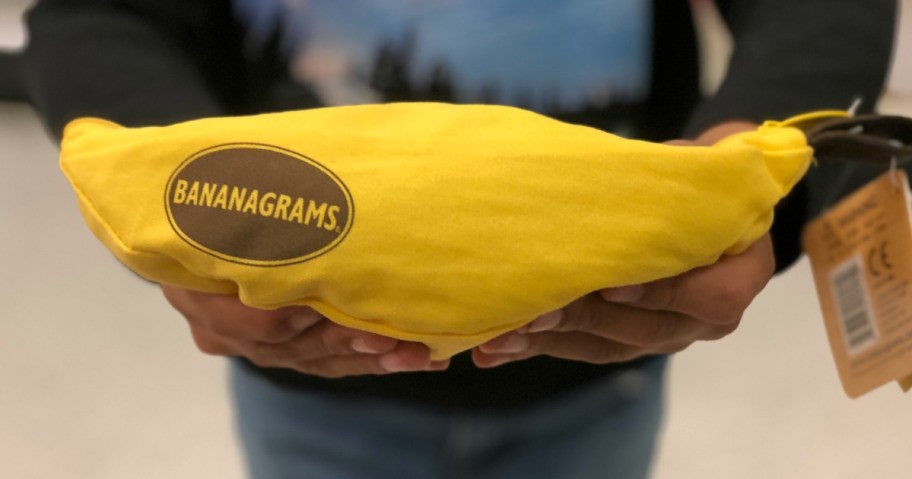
[436,223]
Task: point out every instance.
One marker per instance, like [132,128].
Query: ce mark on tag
[877,259]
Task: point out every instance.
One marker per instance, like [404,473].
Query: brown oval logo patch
[258,205]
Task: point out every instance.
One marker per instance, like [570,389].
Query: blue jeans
[607,429]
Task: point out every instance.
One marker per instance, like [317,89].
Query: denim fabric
[604,430]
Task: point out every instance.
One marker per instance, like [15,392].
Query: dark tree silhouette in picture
[440,84]
[490,93]
[396,76]
[392,64]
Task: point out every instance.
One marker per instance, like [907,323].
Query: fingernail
[303,321]
[394,363]
[373,344]
[439,365]
[498,361]
[624,294]
[545,322]
[509,343]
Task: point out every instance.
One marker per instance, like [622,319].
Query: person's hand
[661,317]
[294,337]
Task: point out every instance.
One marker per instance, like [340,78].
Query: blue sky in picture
[578,49]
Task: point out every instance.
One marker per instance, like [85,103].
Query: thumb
[623,294]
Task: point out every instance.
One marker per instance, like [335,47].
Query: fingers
[407,357]
[621,338]
[575,346]
[567,345]
[327,350]
[404,357]
[296,338]
[595,331]
[681,143]
[212,344]
[718,293]
[659,317]
[638,327]
[227,316]
[328,339]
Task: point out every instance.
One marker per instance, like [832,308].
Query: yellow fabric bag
[428,222]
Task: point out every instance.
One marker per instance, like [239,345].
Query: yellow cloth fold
[436,223]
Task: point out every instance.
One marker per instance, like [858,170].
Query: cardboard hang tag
[906,383]
[861,257]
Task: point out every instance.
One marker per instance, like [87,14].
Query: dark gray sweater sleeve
[132,62]
[793,56]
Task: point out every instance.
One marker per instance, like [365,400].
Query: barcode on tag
[854,310]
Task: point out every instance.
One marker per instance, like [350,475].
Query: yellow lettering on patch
[180,192]
[193,194]
[281,210]
[315,212]
[207,194]
[333,221]
[221,200]
[267,204]
[297,211]
[251,205]
[238,195]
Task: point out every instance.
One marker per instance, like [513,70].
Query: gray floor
[101,380]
